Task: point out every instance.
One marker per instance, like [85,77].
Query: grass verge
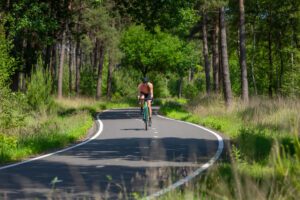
[264,148]
[68,122]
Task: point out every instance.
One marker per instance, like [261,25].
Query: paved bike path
[122,161]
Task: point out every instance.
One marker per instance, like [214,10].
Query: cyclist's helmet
[145,79]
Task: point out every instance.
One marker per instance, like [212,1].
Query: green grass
[67,122]
[264,150]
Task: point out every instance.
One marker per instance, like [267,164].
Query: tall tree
[243,64]
[61,65]
[226,74]
[215,50]
[109,76]
[100,71]
[71,63]
[270,71]
[78,36]
[205,53]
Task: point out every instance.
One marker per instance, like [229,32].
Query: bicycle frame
[146,114]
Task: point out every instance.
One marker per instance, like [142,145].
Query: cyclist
[145,91]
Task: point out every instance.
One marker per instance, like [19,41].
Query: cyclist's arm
[139,92]
[151,90]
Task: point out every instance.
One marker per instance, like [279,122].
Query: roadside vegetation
[34,122]
[262,158]
[68,121]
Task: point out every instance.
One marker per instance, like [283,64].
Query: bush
[39,90]
[11,104]
[12,109]
[88,82]
[7,62]
[7,144]
[190,91]
[125,83]
[255,144]
[160,86]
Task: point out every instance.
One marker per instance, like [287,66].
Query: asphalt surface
[123,162]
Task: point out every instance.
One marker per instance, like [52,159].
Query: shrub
[190,91]
[7,144]
[88,82]
[39,90]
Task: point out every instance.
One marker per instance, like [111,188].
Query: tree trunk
[225,66]
[95,58]
[243,64]
[77,53]
[270,72]
[109,77]
[7,5]
[220,68]
[70,66]
[252,61]
[61,65]
[180,87]
[205,54]
[100,70]
[215,46]
[47,57]
[77,73]
[53,63]
[279,81]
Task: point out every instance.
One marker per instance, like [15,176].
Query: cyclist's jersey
[144,88]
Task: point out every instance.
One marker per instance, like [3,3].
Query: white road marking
[60,151]
[163,191]
[199,170]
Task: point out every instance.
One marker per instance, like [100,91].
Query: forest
[230,65]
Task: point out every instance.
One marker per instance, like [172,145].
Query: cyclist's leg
[150,112]
[142,97]
[150,108]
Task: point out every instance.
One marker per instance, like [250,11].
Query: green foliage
[160,86]
[7,62]
[262,159]
[190,90]
[166,14]
[39,90]
[56,131]
[12,109]
[125,83]
[11,104]
[255,144]
[159,51]
[88,82]
[7,145]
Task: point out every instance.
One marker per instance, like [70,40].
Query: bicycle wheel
[146,117]
[146,125]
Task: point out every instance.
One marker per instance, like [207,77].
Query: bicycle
[146,113]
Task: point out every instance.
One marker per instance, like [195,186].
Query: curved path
[121,161]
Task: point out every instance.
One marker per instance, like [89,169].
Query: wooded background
[102,48]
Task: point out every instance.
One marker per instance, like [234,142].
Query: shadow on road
[120,168]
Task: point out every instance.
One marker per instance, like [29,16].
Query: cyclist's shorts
[146,95]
